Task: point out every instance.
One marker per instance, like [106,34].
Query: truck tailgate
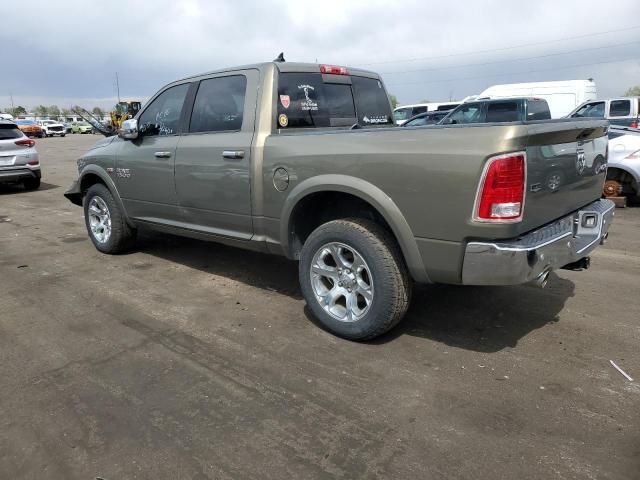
[566,168]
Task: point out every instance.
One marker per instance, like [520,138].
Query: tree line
[51,111]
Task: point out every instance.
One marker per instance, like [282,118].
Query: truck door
[213,158]
[144,166]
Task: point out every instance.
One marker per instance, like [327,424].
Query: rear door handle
[233,154]
[162,154]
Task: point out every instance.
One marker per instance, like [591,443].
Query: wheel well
[322,207]
[622,176]
[88,180]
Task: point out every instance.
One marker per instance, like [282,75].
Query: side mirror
[129,129]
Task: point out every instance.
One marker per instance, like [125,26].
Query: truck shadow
[484,319]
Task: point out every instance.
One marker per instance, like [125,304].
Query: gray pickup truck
[304,160]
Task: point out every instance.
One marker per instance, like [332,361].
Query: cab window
[162,116]
[468,113]
[595,110]
[620,108]
[219,104]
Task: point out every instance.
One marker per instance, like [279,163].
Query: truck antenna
[280,58]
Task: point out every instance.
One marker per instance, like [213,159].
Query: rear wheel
[105,221]
[354,279]
[31,183]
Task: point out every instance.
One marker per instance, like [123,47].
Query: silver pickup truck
[304,160]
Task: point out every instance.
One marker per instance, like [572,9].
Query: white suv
[51,128]
[19,161]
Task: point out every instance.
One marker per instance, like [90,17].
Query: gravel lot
[188,359]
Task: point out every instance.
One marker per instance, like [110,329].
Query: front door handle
[233,154]
[162,154]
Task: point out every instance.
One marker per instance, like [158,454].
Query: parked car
[30,128]
[623,111]
[623,172]
[428,118]
[303,160]
[6,116]
[405,112]
[499,111]
[51,128]
[19,161]
[561,96]
[81,127]
[67,127]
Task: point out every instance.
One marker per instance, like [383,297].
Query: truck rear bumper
[532,256]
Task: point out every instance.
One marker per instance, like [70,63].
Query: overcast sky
[67,52]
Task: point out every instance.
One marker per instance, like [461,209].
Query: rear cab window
[316,100]
[620,108]
[505,111]
[538,109]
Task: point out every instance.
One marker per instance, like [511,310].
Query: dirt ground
[191,360]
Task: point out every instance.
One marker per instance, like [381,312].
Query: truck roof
[285,67]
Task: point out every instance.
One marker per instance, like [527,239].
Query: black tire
[31,183]
[122,237]
[62,135]
[389,277]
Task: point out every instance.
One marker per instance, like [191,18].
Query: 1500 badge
[123,172]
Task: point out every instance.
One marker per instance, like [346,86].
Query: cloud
[70,55]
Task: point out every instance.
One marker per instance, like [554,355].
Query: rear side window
[9,132]
[219,104]
[163,114]
[372,103]
[503,112]
[306,101]
[419,110]
[620,108]
[538,110]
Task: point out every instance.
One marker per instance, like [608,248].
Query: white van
[405,112]
[6,116]
[562,96]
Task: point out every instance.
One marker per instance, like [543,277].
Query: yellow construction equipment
[123,111]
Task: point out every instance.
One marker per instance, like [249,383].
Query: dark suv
[499,111]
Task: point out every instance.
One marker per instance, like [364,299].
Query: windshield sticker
[285,101]
[283,120]
[375,119]
[308,103]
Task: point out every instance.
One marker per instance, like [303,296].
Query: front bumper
[74,193]
[520,260]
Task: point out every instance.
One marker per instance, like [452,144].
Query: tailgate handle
[233,154]
[162,154]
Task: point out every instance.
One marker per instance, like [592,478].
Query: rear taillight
[634,124]
[333,69]
[500,195]
[25,142]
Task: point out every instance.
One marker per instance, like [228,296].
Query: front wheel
[105,221]
[354,279]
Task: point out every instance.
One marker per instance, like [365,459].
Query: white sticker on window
[375,119]
[308,103]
